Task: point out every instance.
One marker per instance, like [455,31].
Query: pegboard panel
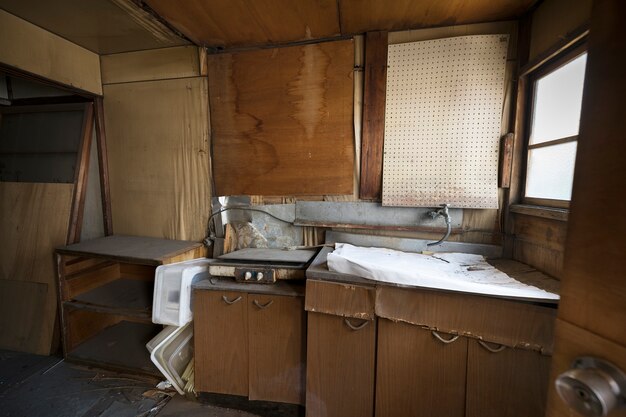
[442,122]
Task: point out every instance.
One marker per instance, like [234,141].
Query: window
[556,93]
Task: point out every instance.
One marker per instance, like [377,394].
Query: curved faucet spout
[445,213]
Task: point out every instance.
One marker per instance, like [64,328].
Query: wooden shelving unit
[105,297]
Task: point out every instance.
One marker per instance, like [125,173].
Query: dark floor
[46,386]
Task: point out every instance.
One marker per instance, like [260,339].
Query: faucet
[445,213]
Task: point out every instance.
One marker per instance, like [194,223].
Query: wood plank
[373,115]
[221,342]
[346,300]
[34,220]
[548,233]
[361,16]
[340,367]
[88,280]
[239,22]
[417,375]
[296,256]
[492,378]
[81,168]
[595,289]
[283,117]
[153,64]
[511,323]
[103,166]
[544,259]
[573,342]
[544,212]
[277,347]
[29,48]
[506,159]
[157,138]
[133,249]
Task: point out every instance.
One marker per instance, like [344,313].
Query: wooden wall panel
[281,120]
[153,64]
[539,242]
[553,20]
[34,50]
[34,220]
[157,138]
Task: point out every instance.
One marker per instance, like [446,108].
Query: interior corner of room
[271,157]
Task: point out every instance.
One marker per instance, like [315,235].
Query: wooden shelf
[121,346]
[123,293]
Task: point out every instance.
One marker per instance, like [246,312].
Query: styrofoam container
[173,353]
[171,304]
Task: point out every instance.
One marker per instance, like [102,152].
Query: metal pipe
[445,213]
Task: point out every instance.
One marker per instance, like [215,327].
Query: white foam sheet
[447,271]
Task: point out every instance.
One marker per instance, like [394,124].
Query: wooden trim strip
[373,115]
[551,213]
[553,142]
[80,177]
[546,202]
[103,165]
[577,35]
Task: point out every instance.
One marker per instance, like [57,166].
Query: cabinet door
[505,382]
[221,342]
[277,348]
[417,374]
[340,366]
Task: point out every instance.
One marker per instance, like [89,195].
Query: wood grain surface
[282,120]
[509,383]
[347,300]
[418,375]
[340,367]
[277,347]
[221,342]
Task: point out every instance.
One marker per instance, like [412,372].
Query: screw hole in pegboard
[442,122]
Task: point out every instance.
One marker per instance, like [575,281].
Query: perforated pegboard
[442,122]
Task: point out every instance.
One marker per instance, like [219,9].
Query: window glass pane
[558,97]
[551,171]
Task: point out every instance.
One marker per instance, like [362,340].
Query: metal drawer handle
[262,306]
[442,340]
[353,327]
[229,302]
[500,348]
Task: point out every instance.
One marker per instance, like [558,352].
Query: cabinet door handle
[353,327]
[262,306]
[229,302]
[500,348]
[442,340]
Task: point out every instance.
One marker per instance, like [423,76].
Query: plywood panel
[282,120]
[157,137]
[418,375]
[104,27]
[340,367]
[22,316]
[241,22]
[34,219]
[32,49]
[155,64]
[366,15]
[277,347]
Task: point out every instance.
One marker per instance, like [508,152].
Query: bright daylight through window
[554,131]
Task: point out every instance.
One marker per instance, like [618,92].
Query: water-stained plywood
[282,120]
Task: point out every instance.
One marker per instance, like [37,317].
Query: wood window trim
[552,213]
[563,55]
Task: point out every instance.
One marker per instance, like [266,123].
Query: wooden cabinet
[505,382]
[419,372]
[250,340]
[105,290]
[341,350]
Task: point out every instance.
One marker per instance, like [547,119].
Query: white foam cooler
[171,304]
